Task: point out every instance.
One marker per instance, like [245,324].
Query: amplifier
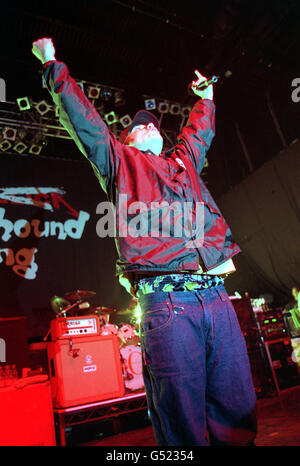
[65,327]
[271,325]
[85,370]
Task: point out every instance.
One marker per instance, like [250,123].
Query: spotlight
[185,111]
[106,94]
[20,147]
[119,99]
[43,107]
[94,92]
[150,104]
[23,103]
[110,118]
[125,121]
[35,149]
[175,109]
[163,107]
[5,145]
[9,133]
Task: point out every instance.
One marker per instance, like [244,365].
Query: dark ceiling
[152,47]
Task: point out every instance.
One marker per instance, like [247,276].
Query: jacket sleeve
[197,135]
[82,121]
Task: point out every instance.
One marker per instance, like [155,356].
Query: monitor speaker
[13,342]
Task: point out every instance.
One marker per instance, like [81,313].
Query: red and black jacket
[125,172]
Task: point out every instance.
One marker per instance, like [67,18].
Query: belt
[176,282]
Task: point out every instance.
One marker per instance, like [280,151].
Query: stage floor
[278,425]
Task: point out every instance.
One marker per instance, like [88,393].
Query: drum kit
[75,303]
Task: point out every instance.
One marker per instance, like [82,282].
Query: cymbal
[58,304]
[103,310]
[79,294]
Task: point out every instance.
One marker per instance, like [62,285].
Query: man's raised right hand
[44,49]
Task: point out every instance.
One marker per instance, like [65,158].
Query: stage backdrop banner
[48,240]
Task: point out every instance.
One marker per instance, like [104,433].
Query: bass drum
[132,367]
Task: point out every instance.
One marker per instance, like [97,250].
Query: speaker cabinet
[85,370]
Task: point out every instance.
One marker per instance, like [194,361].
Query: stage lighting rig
[150,104]
[119,99]
[43,107]
[125,121]
[163,107]
[9,133]
[110,118]
[20,147]
[5,145]
[185,111]
[106,94]
[35,149]
[94,92]
[175,109]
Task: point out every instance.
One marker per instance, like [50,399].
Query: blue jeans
[196,369]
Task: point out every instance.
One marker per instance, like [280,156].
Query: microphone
[203,85]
